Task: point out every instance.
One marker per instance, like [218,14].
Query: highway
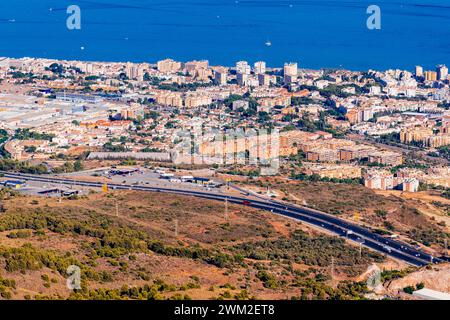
[364,236]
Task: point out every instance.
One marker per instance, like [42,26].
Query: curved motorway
[366,237]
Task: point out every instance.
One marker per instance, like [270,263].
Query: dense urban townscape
[319,174]
[390,129]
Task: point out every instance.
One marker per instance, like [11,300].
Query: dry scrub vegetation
[127,248]
[387,213]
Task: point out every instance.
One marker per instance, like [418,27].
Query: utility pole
[332,269]
[226,209]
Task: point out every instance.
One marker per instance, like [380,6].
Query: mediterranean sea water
[314,33]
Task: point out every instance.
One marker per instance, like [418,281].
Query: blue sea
[314,33]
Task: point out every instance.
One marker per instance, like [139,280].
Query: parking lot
[150,177]
[158,178]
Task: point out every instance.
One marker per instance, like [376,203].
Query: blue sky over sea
[315,33]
